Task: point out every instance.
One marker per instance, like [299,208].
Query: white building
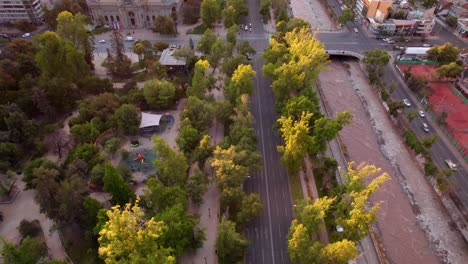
[14,10]
[131,13]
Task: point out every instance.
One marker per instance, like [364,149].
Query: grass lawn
[296,188]
[198,30]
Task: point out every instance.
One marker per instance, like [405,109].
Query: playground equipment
[140,158]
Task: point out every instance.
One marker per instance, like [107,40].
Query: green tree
[128,237]
[127,119]
[117,62]
[265,9]
[445,53]
[241,82]
[164,25]
[296,141]
[31,250]
[112,145]
[376,59]
[418,84]
[346,16]
[311,214]
[158,197]
[159,94]
[57,58]
[91,208]
[199,81]
[159,46]
[217,53]
[199,112]
[297,105]
[196,185]
[231,35]
[451,70]
[73,28]
[230,244]
[172,166]
[244,48]
[326,129]
[452,21]
[251,206]
[188,137]
[229,16]
[300,247]
[232,63]
[85,133]
[87,153]
[28,170]
[210,12]
[206,41]
[115,184]
[180,229]
[203,150]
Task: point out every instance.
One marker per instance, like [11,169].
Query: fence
[418,62]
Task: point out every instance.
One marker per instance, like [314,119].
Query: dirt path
[413,225]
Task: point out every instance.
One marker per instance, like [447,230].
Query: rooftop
[416,50]
[168,60]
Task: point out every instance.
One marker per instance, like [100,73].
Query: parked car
[427,45]
[129,38]
[421,114]
[390,41]
[356,30]
[26,35]
[407,102]
[425,127]
[102,41]
[451,165]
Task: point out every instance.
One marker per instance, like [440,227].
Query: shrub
[430,169]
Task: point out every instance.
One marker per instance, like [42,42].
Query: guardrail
[345,53]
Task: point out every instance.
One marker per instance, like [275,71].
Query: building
[376,9]
[459,10]
[131,13]
[462,27]
[172,63]
[14,10]
[414,53]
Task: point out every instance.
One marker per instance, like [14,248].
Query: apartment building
[14,10]
[376,9]
[131,13]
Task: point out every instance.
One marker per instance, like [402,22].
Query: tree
[115,184]
[229,16]
[399,15]
[340,252]
[210,12]
[445,53]
[158,197]
[206,41]
[451,70]
[249,209]
[196,185]
[452,21]
[199,112]
[232,63]
[159,46]
[28,170]
[428,3]
[297,105]
[231,35]
[87,153]
[85,133]
[91,208]
[241,83]
[217,53]
[203,150]
[376,59]
[326,129]
[199,80]
[352,209]
[127,119]
[346,16]
[31,250]
[300,247]
[47,186]
[244,48]
[164,25]
[265,9]
[172,166]
[25,26]
[73,28]
[57,58]
[311,214]
[112,145]
[188,137]
[230,244]
[418,84]
[70,195]
[229,166]
[127,237]
[117,62]
[180,230]
[159,94]
[296,141]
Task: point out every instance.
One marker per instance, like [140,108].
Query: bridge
[345,53]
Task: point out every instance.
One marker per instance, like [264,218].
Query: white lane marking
[264,168]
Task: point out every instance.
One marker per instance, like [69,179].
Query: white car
[451,165]
[407,102]
[391,42]
[129,38]
[102,41]
[425,127]
[26,35]
[426,45]
[421,114]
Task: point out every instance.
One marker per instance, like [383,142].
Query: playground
[421,70]
[444,98]
[141,160]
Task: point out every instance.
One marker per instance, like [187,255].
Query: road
[268,232]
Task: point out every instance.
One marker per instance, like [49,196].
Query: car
[386,39]
[102,41]
[246,28]
[407,102]
[356,30]
[390,41]
[421,114]
[451,165]
[129,38]
[250,29]
[426,45]
[26,35]
[425,127]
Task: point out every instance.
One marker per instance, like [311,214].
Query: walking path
[24,207]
